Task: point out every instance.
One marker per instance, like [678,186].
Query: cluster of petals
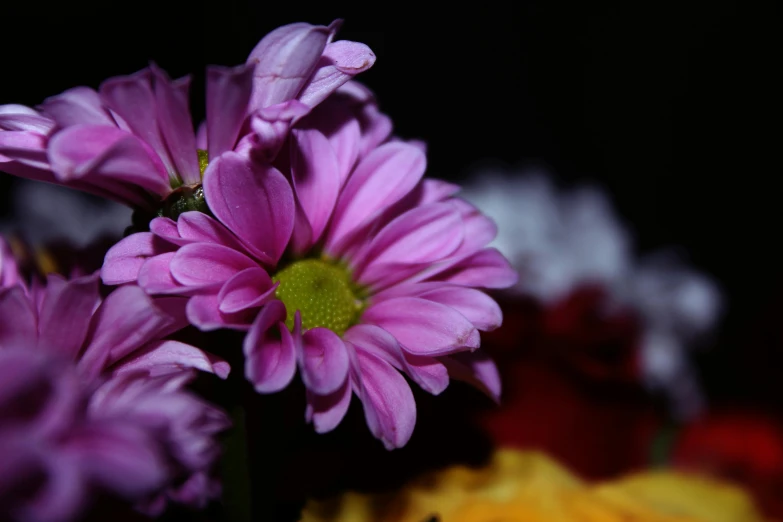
[133,141]
[93,400]
[341,188]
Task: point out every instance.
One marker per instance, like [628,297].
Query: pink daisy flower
[338,259]
[133,139]
[93,400]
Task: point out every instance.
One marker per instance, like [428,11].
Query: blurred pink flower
[133,140]
[92,399]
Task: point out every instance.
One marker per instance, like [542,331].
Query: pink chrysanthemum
[92,400]
[349,266]
[133,139]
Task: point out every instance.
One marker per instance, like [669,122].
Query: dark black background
[675,108]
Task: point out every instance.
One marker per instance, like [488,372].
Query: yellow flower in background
[529,487]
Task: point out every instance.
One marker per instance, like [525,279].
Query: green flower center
[322,292]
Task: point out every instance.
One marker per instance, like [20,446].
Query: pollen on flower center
[321,292]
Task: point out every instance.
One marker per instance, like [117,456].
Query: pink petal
[316,177]
[18,325]
[423,235]
[479,229]
[427,372]
[228,94]
[380,180]
[389,407]
[340,62]
[80,105]
[175,124]
[166,229]
[126,320]
[269,350]
[485,269]
[203,265]
[65,314]
[155,276]
[423,327]
[95,153]
[124,260]
[247,289]
[272,126]
[203,311]
[284,60]
[25,148]
[253,201]
[120,456]
[133,99]
[323,360]
[197,226]
[479,308]
[475,368]
[327,411]
[29,121]
[164,357]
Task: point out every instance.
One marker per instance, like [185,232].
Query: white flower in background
[559,240]
[555,240]
[42,213]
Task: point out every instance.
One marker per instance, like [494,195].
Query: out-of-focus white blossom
[559,240]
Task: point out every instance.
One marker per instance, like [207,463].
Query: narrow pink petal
[323,361]
[479,229]
[20,118]
[155,276]
[65,314]
[270,356]
[228,94]
[205,264]
[121,456]
[124,260]
[197,226]
[175,124]
[427,372]
[272,126]
[284,60]
[27,149]
[97,152]
[485,269]
[423,235]
[389,406]
[327,411]
[203,311]
[479,308]
[126,320]
[166,229]
[80,105]
[475,368]
[164,357]
[340,62]
[249,288]
[133,99]
[316,177]
[380,180]
[423,327]
[18,325]
[254,201]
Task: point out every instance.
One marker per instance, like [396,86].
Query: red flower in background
[598,424]
[743,446]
